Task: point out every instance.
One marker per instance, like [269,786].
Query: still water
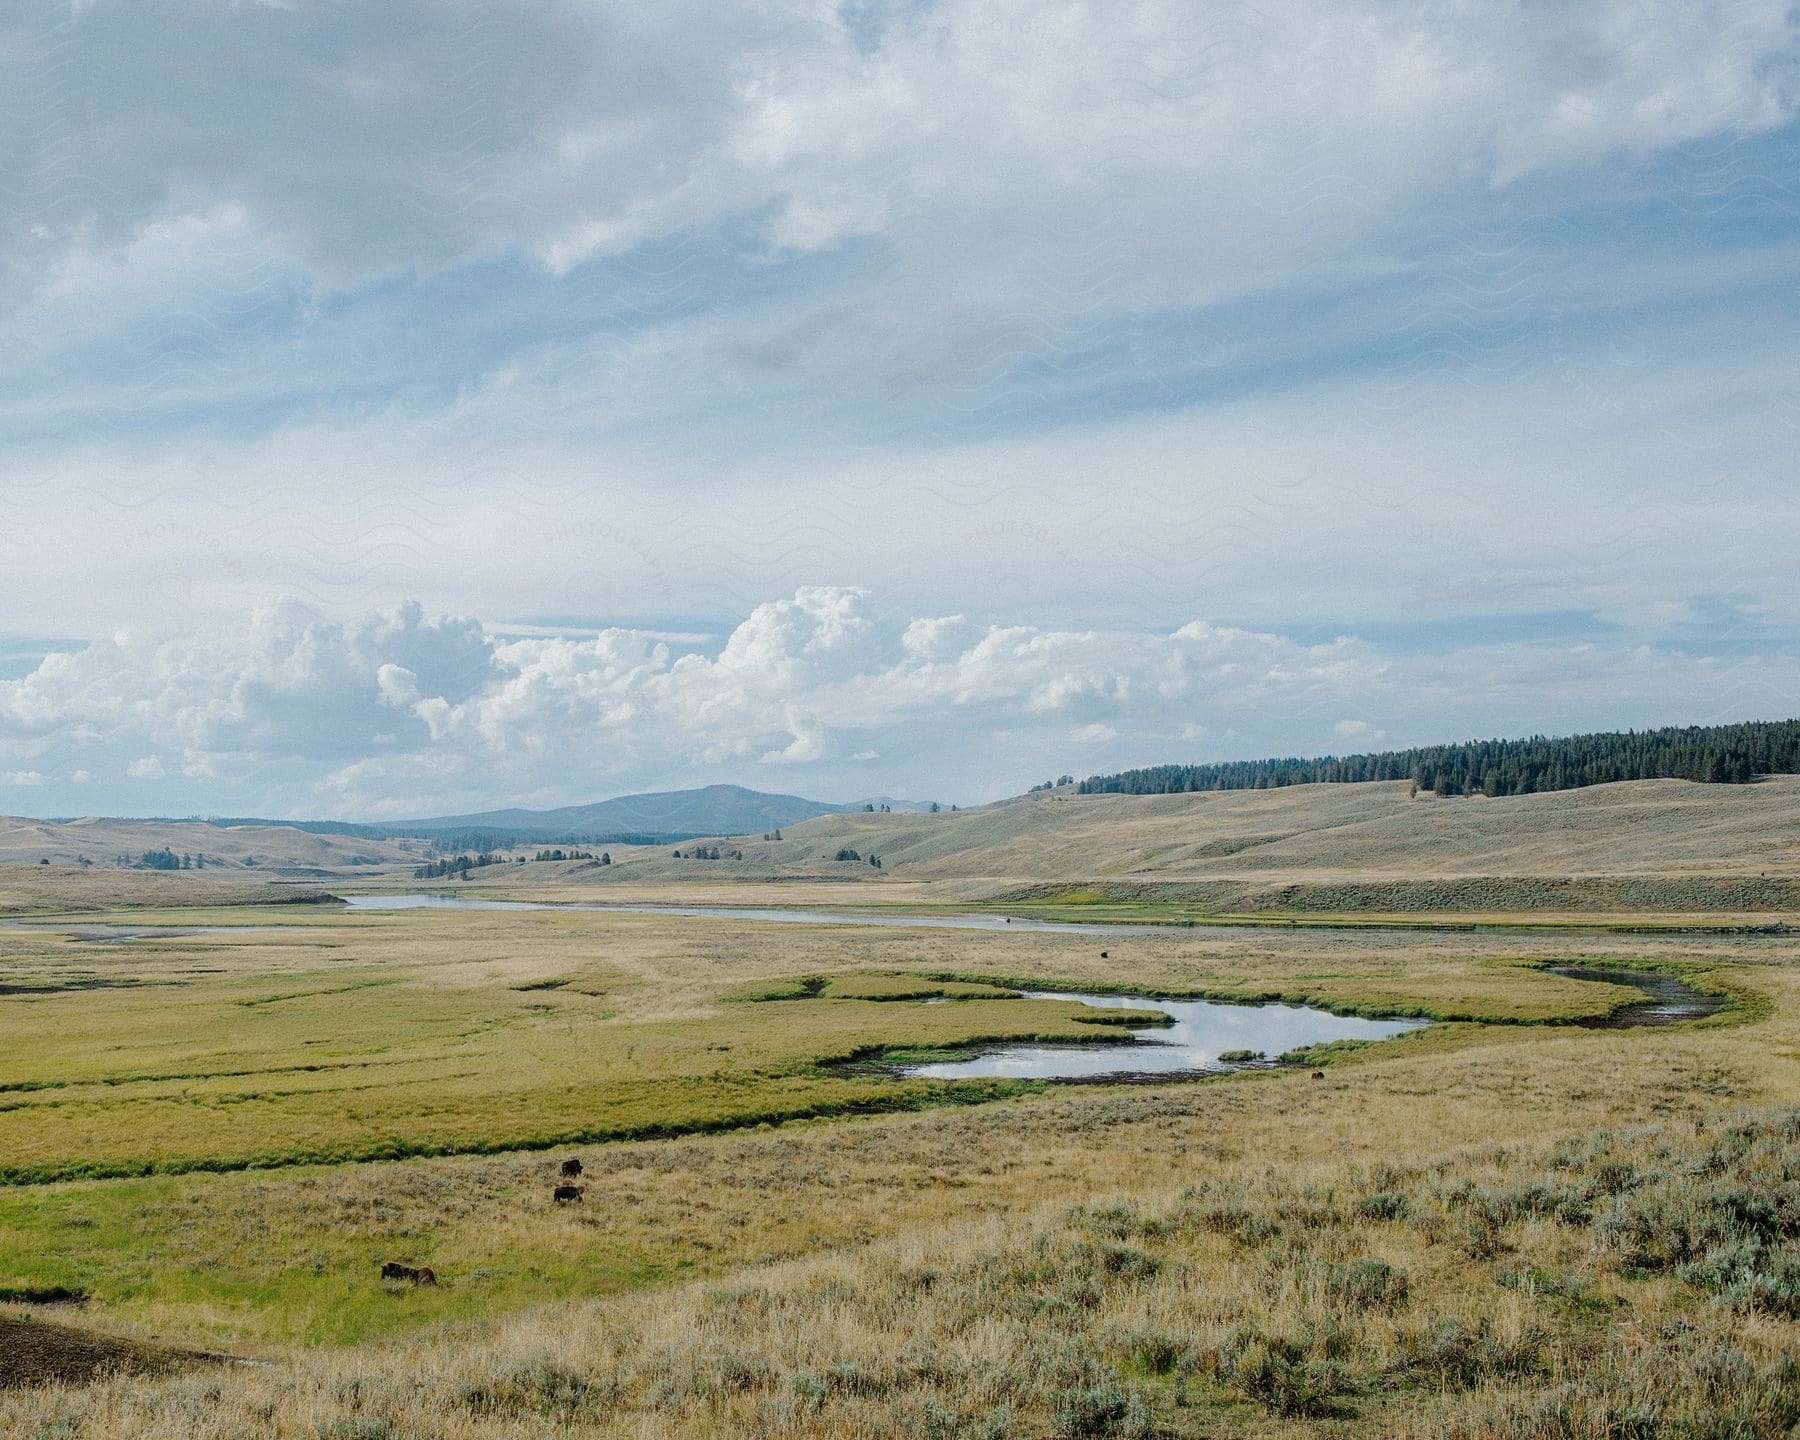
[772,915]
[1202,1031]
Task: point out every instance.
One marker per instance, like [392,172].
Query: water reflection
[1202,1031]
[772,914]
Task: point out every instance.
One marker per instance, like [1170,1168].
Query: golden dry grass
[942,1271]
[367,1035]
[956,1264]
[101,841]
[1304,834]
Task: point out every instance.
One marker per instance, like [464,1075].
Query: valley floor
[1503,1224]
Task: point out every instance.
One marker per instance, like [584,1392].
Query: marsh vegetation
[215,1137]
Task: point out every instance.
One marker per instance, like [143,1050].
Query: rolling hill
[329,847]
[268,846]
[1637,844]
[1634,845]
[672,814]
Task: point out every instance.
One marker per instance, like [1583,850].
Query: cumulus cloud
[1321,318]
[285,684]
[1006,143]
[404,713]
[277,281]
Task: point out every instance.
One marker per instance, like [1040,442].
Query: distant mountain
[887,802]
[665,815]
[625,819]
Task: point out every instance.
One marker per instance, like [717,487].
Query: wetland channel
[1191,1041]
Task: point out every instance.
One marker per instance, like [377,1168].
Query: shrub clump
[1729,1223]
[1685,1386]
[1299,1374]
[1367,1285]
[1104,1409]
[538,1386]
[1456,1355]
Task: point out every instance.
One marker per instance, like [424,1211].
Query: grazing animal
[567,1195]
[415,1274]
[1103,955]
[571,1168]
[1318,1074]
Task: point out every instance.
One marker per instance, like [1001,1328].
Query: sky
[417,407]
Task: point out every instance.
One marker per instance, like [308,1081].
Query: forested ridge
[1714,754]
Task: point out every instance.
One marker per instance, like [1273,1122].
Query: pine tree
[1725,754]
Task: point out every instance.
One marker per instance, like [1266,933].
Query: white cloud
[1022,194]
[1005,136]
[400,713]
[21,777]
[1048,324]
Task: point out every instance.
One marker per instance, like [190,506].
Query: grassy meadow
[212,1142]
[1647,845]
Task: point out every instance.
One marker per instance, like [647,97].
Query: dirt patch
[43,1352]
[64,987]
[47,1295]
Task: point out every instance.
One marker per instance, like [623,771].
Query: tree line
[1711,754]
[475,841]
[165,859]
[458,865]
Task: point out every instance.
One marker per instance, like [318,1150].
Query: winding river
[1199,1030]
[1199,1033]
[772,915]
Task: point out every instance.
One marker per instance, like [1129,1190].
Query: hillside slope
[710,810]
[1217,844]
[273,848]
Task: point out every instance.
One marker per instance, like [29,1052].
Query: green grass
[874,987]
[1569,1287]
[214,1249]
[425,1071]
[413,1037]
[1092,907]
[432,1033]
[910,987]
[203,1149]
[1466,993]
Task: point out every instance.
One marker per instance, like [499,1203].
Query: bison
[1318,1074]
[412,1274]
[571,1168]
[567,1195]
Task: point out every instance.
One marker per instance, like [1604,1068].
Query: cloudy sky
[416,406]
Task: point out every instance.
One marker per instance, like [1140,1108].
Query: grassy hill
[1639,844]
[672,812]
[273,847]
